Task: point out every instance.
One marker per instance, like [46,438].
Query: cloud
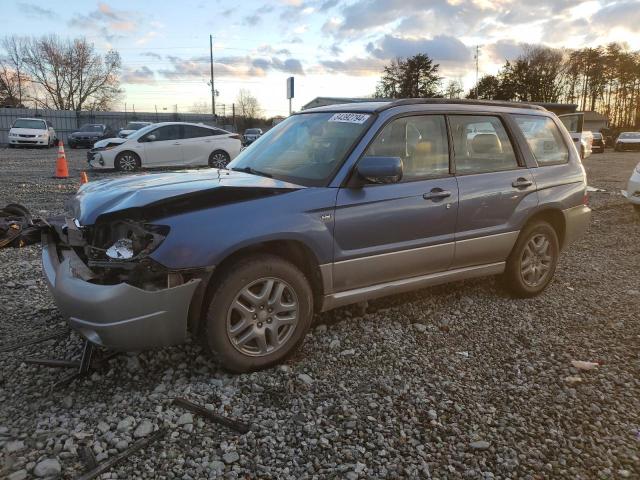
[142,75]
[252,20]
[354,66]
[111,24]
[503,50]
[36,11]
[441,48]
[154,55]
[231,66]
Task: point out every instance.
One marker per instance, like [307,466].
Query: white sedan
[167,144]
[632,193]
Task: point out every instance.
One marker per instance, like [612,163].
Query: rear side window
[420,141]
[481,144]
[191,131]
[168,132]
[544,139]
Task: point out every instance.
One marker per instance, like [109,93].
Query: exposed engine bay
[107,253]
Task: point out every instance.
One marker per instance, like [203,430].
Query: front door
[384,232]
[163,146]
[496,190]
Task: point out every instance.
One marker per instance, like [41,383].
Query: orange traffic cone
[61,165]
[83,178]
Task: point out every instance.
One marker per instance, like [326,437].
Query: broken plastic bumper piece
[121,316]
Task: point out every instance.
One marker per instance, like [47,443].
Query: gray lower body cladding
[121,317]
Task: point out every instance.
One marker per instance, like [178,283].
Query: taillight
[235,136]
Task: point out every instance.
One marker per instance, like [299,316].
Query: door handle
[436,194]
[522,183]
[177,143]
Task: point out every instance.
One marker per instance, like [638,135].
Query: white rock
[306,379]
[230,457]
[49,467]
[144,429]
[19,475]
[185,418]
[14,446]
[582,365]
[420,327]
[103,427]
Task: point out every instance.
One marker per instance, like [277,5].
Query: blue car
[333,206]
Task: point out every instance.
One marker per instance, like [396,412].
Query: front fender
[202,238]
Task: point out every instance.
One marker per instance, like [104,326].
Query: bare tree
[248,105]
[200,107]
[12,68]
[454,89]
[70,74]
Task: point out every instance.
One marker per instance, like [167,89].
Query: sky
[332,47]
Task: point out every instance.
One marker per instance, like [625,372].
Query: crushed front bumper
[120,317]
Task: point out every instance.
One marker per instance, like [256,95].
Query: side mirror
[151,138]
[380,169]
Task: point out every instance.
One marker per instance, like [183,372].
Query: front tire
[127,162]
[219,159]
[533,260]
[258,314]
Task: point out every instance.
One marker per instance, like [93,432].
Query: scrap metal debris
[236,425]
[111,462]
[18,228]
[25,343]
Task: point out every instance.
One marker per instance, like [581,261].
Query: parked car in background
[333,206]
[88,134]
[251,135]
[582,139]
[35,132]
[598,143]
[167,144]
[628,141]
[632,193]
[132,127]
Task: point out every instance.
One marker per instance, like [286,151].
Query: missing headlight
[126,240]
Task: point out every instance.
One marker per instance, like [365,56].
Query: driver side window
[420,142]
[167,132]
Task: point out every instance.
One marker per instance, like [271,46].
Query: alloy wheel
[127,163]
[219,160]
[262,317]
[537,260]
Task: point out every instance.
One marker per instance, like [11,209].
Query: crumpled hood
[107,141]
[108,196]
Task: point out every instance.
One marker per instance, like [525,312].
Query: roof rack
[458,101]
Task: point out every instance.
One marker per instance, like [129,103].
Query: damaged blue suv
[333,206]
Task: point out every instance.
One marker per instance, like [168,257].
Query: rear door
[496,189]
[197,144]
[166,148]
[385,232]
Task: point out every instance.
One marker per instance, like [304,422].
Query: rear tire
[127,162]
[533,260]
[219,159]
[258,314]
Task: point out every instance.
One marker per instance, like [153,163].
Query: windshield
[26,123]
[634,135]
[597,136]
[91,128]
[305,149]
[135,125]
[251,131]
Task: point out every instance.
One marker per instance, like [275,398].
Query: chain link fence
[64,122]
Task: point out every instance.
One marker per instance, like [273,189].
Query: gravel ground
[457,381]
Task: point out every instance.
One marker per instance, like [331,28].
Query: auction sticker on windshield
[349,117]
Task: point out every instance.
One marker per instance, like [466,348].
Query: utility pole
[213,90]
[477,56]
[233,110]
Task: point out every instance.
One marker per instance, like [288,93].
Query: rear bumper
[120,317]
[576,220]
